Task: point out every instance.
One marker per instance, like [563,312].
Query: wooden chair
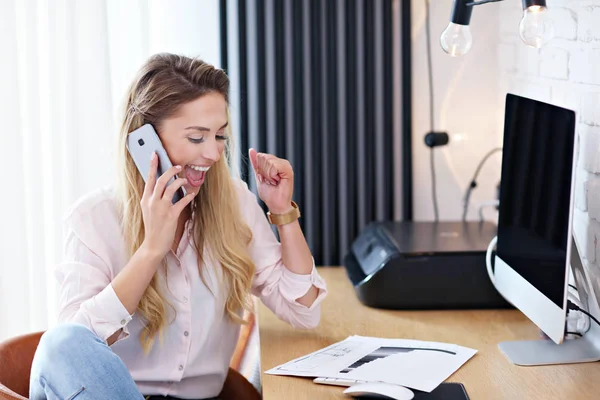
[16,356]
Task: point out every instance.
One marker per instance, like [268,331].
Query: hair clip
[134,108]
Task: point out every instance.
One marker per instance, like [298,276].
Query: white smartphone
[140,144]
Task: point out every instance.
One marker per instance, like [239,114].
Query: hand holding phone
[141,143]
[160,215]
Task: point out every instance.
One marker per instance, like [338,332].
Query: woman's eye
[221,137]
[196,140]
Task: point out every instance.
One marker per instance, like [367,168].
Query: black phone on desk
[445,391]
[141,143]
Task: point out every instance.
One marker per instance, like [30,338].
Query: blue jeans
[71,362]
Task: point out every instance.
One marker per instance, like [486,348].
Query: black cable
[574,333]
[431,112]
[573,306]
[433,186]
[573,286]
[429,66]
[473,183]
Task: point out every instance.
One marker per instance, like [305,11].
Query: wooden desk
[488,375]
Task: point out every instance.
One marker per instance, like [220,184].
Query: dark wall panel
[316,88]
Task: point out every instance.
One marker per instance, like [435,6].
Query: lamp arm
[477,3]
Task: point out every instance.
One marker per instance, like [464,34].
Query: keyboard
[337,381]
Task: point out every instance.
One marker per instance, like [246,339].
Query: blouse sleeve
[86,295]
[276,286]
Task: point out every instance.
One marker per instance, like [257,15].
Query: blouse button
[181,367]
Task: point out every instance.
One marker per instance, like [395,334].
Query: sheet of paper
[412,363]
[422,368]
[336,357]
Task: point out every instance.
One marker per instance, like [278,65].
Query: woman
[164,285]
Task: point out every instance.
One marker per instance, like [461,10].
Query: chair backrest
[16,356]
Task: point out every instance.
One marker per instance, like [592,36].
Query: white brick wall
[567,29]
[590,112]
[565,73]
[584,66]
[588,28]
[554,63]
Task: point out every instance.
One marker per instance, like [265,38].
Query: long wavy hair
[163,84]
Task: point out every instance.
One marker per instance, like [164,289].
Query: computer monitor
[535,244]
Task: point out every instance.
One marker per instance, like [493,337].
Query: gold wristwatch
[282,219]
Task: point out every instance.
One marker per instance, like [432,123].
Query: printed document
[415,364]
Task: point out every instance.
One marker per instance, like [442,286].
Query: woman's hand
[275,180]
[160,214]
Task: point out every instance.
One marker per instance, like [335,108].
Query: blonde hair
[162,86]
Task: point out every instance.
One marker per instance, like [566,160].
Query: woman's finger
[263,164]
[272,168]
[151,179]
[183,203]
[172,188]
[252,154]
[161,184]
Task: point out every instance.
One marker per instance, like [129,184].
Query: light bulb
[536,27]
[456,40]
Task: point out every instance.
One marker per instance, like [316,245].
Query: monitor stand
[546,352]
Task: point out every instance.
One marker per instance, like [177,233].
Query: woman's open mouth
[195,174]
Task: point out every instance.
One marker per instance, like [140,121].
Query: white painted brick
[565,23]
[577,155]
[564,96]
[530,89]
[593,271]
[590,108]
[581,189]
[554,63]
[590,149]
[583,66]
[557,3]
[588,28]
[584,235]
[592,241]
[528,60]
[593,197]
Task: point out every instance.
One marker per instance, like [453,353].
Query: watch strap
[282,219]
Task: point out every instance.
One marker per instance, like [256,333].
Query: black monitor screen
[535,192]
